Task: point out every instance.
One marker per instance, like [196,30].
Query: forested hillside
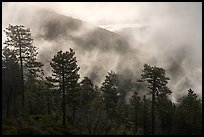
[64,103]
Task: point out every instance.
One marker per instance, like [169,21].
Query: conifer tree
[10,82]
[157,81]
[88,92]
[190,114]
[20,42]
[135,105]
[110,92]
[65,73]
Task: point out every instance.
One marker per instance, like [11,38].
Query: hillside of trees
[62,104]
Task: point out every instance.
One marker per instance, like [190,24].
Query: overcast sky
[171,25]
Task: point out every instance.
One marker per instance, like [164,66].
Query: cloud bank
[167,35]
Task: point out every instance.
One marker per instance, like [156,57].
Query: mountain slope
[97,50]
[51,26]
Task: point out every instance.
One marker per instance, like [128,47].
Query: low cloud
[167,35]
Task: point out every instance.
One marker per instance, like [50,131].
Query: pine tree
[88,92]
[19,40]
[110,92]
[190,114]
[165,111]
[157,80]
[145,109]
[49,89]
[135,105]
[65,73]
[10,82]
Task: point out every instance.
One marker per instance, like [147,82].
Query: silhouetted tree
[10,81]
[156,79]
[49,89]
[189,115]
[65,73]
[19,40]
[110,92]
[86,108]
[88,92]
[135,105]
[165,111]
[145,109]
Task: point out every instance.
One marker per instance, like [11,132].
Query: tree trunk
[136,119]
[97,121]
[73,115]
[145,120]
[48,104]
[21,64]
[153,106]
[8,104]
[22,82]
[63,105]
[163,126]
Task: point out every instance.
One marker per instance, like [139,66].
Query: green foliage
[28,131]
[156,80]
[7,130]
[189,112]
[65,73]
[20,44]
[110,92]
[65,64]
[88,92]
[165,110]
[135,103]
[10,82]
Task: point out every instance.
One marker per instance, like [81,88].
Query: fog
[168,35]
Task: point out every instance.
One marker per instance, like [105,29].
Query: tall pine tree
[20,42]
[135,103]
[110,92]
[65,73]
[157,81]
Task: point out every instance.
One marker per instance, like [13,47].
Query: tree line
[61,104]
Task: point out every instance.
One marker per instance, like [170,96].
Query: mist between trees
[62,104]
